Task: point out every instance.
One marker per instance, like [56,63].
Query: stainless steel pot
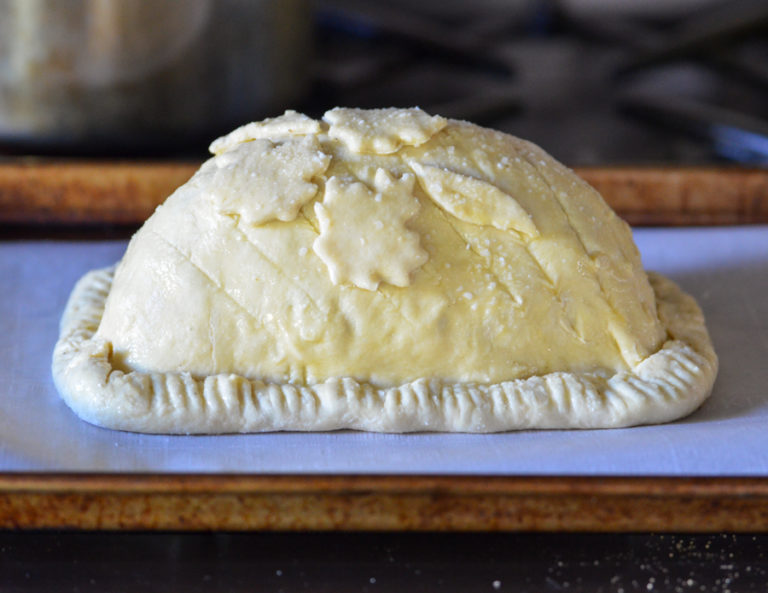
[125,73]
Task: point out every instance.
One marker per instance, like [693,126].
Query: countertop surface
[383,562]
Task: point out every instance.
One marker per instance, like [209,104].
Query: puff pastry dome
[371,250]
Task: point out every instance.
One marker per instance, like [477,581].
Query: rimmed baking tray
[382,503]
[706,473]
[126,193]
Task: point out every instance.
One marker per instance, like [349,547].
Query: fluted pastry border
[667,385]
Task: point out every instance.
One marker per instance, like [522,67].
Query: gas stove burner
[594,86]
[593,89]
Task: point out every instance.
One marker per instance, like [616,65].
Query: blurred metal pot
[127,74]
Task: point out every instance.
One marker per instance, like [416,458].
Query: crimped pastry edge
[666,386]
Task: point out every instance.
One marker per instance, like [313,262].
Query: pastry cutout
[363,239]
[382,131]
[473,200]
[290,123]
[261,181]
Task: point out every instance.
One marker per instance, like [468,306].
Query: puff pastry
[381,270]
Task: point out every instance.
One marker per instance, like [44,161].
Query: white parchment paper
[726,269]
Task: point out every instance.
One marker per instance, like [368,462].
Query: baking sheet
[725,268]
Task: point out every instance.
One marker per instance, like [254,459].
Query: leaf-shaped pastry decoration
[473,200]
[261,181]
[291,123]
[363,239]
[382,131]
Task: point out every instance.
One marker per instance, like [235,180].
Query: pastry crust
[666,385]
[467,255]
[381,270]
